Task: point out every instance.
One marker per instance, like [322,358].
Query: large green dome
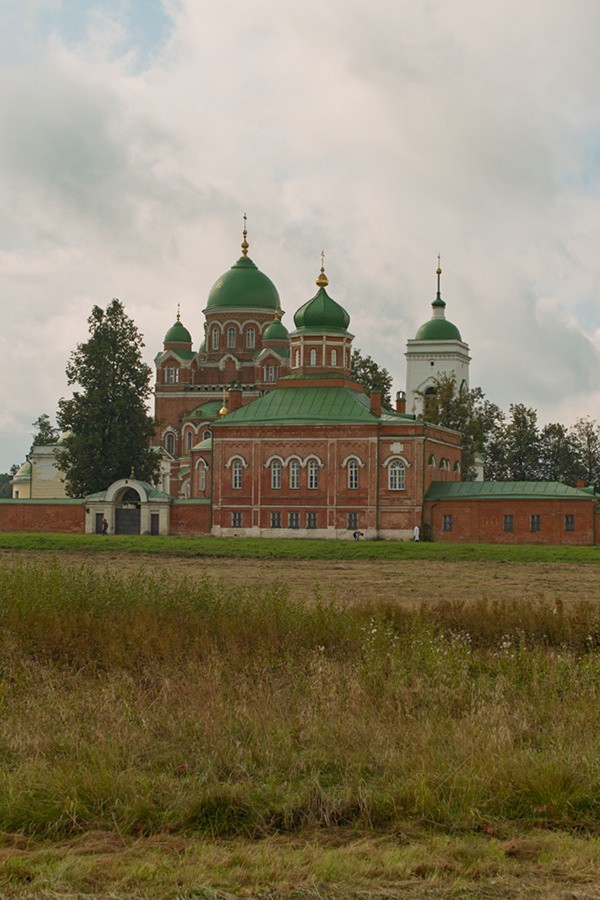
[321,313]
[438,330]
[244,286]
[178,334]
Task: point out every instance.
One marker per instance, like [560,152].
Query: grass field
[167,736]
[285,548]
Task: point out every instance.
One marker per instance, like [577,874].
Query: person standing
[416,533]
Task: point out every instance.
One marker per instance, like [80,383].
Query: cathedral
[263,432]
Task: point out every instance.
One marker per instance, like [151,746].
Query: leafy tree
[560,457]
[515,447]
[110,428]
[466,411]
[586,435]
[365,370]
[5,488]
[45,433]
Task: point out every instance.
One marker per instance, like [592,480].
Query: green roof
[321,313]
[244,286]
[276,331]
[206,444]
[508,490]
[438,330]
[206,410]
[308,405]
[178,334]
[23,473]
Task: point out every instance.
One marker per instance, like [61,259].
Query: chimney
[400,402]
[375,399]
[580,483]
[235,399]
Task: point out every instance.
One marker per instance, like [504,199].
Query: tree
[109,427]
[560,457]
[365,370]
[46,433]
[466,411]
[514,447]
[586,435]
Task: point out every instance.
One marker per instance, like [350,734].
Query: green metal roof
[507,490]
[206,410]
[308,405]
[243,286]
[438,330]
[276,331]
[204,445]
[178,334]
[321,313]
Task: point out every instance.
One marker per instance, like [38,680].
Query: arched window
[313,474]
[457,466]
[231,338]
[431,461]
[276,474]
[202,477]
[353,474]
[313,357]
[250,338]
[334,357]
[294,474]
[206,435]
[170,443]
[188,439]
[236,474]
[297,357]
[396,475]
[215,338]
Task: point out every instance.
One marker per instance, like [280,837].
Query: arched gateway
[129,507]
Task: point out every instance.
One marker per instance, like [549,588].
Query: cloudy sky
[135,133]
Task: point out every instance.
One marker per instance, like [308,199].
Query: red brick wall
[483,521]
[22,515]
[190,518]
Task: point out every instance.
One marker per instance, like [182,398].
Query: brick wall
[27,515]
[189,518]
[483,521]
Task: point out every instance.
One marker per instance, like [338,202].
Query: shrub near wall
[43,515]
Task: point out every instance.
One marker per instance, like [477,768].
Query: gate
[127,521]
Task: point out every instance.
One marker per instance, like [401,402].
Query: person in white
[416,533]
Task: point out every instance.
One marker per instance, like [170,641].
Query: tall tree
[109,427]
[45,432]
[586,435]
[560,457]
[517,445]
[365,370]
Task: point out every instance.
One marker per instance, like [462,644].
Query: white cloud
[381,133]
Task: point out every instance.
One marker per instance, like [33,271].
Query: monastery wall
[189,517]
[43,515]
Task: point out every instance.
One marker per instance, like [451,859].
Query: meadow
[166,736]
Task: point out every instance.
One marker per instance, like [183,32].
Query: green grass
[284,548]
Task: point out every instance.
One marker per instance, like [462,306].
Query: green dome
[276,331]
[244,286]
[24,472]
[321,313]
[178,334]
[438,330]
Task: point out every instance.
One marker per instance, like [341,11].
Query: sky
[136,133]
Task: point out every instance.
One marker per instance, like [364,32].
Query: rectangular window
[352,521]
[294,474]
[271,373]
[509,523]
[569,523]
[536,523]
[236,520]
[447,523]
[171,374]
[275,520]
[311,520]
[313,475]
[294,520]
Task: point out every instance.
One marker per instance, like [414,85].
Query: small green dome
[202,347]
[23,473]
[276,331]
[244,286]
[438,330]
[178,334]
[321,313]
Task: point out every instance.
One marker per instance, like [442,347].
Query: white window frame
[237,471]
[215,338]
[251,338]
[231,336]
[352,474]
[172,375]
[313,475]
[202,477]
[334,361]
[396,475]
[294,468]
[312,357]
[276,468]
[170,443]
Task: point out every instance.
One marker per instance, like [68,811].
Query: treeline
[515,446]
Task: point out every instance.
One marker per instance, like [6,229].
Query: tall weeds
[161,704]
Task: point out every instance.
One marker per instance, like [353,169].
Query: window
[188,440]
[334,357]
[202,477]
[352,521]
[313,474]
[170,443]
[536,523]
[294,520]
[297,358]
[447,523]
[250,338]
[509,523]
[353,474]
[215,338]
[276,474]
[271,373]
[236,474]
[236,520]
[457,466]
[313,357]
[171,374]
[569,523]
[231,338]
[396,475]
[431,461]
[294,474]
[206,435]
[311,520]
[275,520]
